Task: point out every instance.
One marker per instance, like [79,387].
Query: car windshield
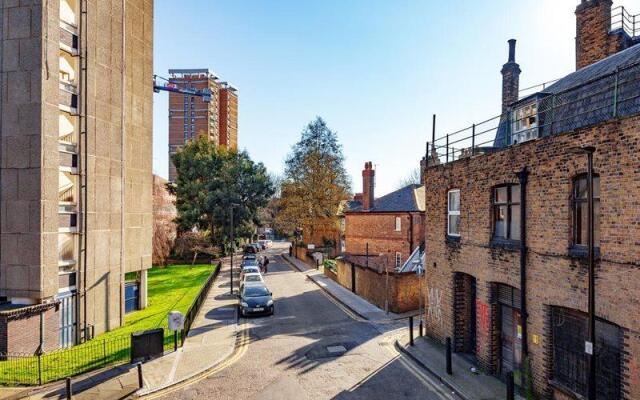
[250,257]
[251,270]
[253,278]
[255,291]
[247,263]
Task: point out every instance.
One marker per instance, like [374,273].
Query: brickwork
[554,276]
[594,41]
[402,290]
[228,123]
[378,230]
[20,330]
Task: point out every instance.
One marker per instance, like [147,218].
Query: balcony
[67,128]
[67,218]
[68,100]
[68,157]
[66,188]
[69,40]
[67,254]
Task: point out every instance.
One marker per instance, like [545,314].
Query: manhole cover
[336,349]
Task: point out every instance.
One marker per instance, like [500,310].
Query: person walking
[265,263]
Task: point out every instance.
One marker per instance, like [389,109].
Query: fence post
[426,158]
[510,386]
[615,94]
[140,382]
[68,386]
[411,331]
[447,147]
[473,139]
[104,351]
[448,357]
[39,369]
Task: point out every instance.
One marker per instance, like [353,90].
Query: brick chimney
[594,39]
[510,78]
[368,183]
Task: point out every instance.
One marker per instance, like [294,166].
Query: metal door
[67,319]
[510,341]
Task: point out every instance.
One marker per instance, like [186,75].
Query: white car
[251,269]
[252,277]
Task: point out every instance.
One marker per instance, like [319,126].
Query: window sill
[506,244]
[452,240]
[582,252]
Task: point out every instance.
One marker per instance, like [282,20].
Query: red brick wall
[553,276]
[371,285]
[21,334]
[378,230]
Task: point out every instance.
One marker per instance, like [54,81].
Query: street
[299,352]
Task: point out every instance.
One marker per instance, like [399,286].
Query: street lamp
[233,243]
[420,273]
[590,344]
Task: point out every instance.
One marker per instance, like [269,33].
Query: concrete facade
[77,111]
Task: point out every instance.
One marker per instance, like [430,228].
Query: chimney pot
[512,50]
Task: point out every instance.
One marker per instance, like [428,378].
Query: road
[291,355]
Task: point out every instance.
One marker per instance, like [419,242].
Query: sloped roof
[407,199]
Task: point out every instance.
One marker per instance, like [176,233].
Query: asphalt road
[296,353]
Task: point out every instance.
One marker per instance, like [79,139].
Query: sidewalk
[430,355]
[211,340]
[353,302]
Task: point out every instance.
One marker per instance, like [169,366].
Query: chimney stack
[510,78]
[368,183]
[594,39]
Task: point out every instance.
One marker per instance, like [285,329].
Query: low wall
[370,284]
[330,274]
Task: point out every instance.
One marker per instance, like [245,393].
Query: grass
[171,288]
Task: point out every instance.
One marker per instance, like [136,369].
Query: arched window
[581,211]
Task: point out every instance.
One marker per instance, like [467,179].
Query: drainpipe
[410,233]
[523,178]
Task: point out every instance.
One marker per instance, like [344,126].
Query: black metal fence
[191,314]
[29,369]
[595,101]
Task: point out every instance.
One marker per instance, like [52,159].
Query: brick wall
[554,277]
[378,230]
[371,285]
[20,330]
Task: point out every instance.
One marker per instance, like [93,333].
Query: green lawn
[171,288]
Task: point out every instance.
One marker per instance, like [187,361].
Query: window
[524,123]
[581,211]
[569,329]
[398,260]
[398,224]
[453,212]
[193,99]
[506,212]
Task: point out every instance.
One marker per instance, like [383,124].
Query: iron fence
[607,97]
[193,310]
[621,18]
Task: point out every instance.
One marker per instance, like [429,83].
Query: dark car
[249,263]
[255,299]
[250,249]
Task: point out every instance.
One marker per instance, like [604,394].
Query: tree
[164,227]
[315,181]
[210,181]
[411,178]
[194,243]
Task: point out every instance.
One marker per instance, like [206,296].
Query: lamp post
[590,344]
[420,272]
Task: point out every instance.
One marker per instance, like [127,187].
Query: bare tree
[411,178]
[164,229]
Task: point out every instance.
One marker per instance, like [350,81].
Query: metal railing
[621,18]
[604,98]
[193,310]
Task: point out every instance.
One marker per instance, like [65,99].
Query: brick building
[77,115]
[506,224]
[392,224]
[192,116]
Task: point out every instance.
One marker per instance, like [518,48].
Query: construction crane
[169,86]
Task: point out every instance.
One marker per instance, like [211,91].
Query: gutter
[523,178]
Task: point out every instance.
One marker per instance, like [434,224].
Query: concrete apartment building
[193,116]
[75,163]
[506,223]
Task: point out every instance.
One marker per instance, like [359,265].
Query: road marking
[242,343]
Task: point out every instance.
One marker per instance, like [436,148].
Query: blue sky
[374,70]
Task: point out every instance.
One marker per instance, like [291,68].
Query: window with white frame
[398,260]
[453,212]
[524,123]
[398,224]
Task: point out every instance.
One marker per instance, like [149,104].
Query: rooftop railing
[601,99]
[621,18]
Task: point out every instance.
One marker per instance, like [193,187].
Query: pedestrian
[265,263]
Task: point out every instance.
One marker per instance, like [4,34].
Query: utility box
[146,345]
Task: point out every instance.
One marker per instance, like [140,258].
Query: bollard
[411,331]
[175,340]
[448,355]
[140,383]
[69,392]
[510,386]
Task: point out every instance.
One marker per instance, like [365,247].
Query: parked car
[251,262]
[255,299]
[263,244]
[257,246]
[249,269]
[250,249]
[252,277]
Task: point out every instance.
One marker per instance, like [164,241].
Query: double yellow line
[242,343]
